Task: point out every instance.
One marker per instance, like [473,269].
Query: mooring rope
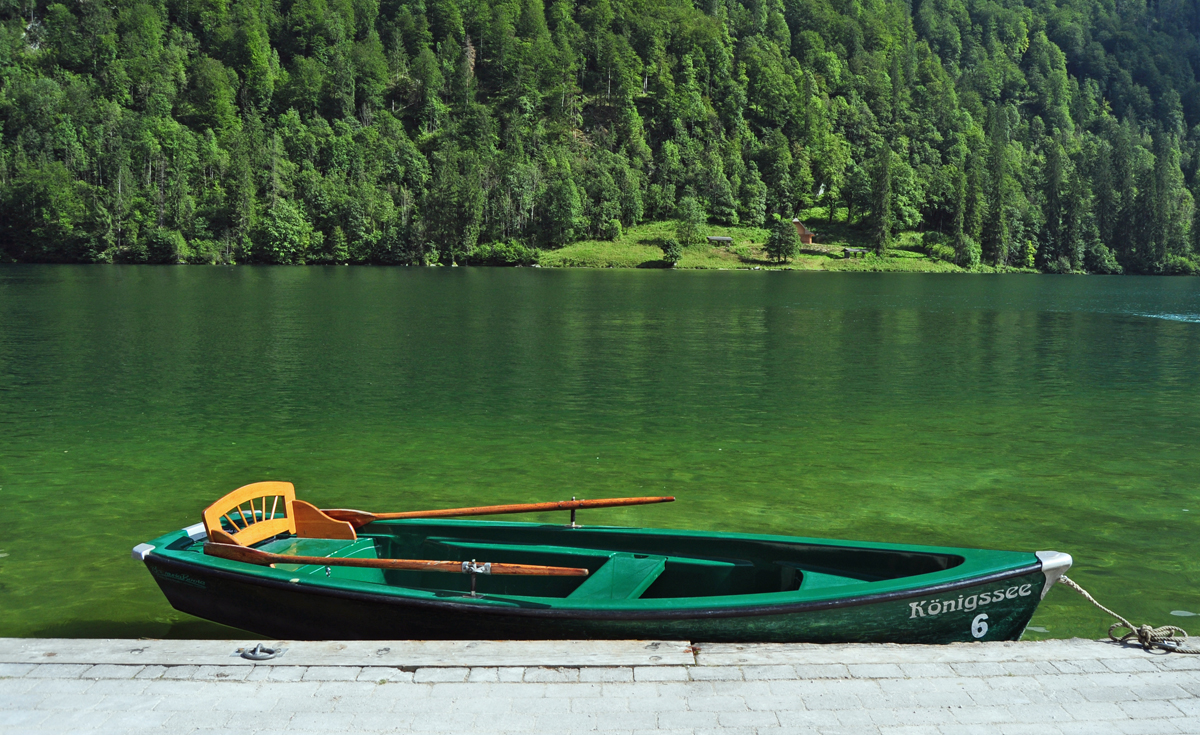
[1166,637]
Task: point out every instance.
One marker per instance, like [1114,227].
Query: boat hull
[992,607]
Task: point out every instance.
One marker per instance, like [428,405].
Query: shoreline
[639,247]
[801,267]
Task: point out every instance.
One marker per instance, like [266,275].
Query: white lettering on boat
[979,626]
[966,603]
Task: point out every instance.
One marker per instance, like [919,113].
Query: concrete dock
[666,687]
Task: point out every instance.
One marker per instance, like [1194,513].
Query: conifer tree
[995,236]
[1054,251]
[966,250]
[783,242]
[881,200]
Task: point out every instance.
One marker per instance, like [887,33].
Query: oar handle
[361,518]
[266,558]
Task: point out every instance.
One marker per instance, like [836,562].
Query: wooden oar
[360,518]
[254,556]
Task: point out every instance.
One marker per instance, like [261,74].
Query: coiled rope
[1166,637]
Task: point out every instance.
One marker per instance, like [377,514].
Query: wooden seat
[272,510]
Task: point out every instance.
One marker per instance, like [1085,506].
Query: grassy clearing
[639,247]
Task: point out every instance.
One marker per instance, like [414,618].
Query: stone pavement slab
[365,653]
[1050,687]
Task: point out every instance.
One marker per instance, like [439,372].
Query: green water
[1019,412]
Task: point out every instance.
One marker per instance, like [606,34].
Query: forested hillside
[1060,134]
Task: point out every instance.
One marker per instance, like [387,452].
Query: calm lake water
[1017,412]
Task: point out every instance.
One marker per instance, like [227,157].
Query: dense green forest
[1057,134]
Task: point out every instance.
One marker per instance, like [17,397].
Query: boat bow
[1054,565]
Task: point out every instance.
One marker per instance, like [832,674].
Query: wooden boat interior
[624,564]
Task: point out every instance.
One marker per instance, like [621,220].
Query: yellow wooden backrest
[264,509]
[252,513]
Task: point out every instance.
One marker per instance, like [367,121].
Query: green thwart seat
[817,580]
[623,577]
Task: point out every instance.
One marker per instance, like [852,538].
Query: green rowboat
[639,583]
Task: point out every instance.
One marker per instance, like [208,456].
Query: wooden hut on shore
[806,235]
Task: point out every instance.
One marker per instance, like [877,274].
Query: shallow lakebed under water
[1018,411]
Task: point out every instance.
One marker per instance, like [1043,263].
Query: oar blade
[537,571]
